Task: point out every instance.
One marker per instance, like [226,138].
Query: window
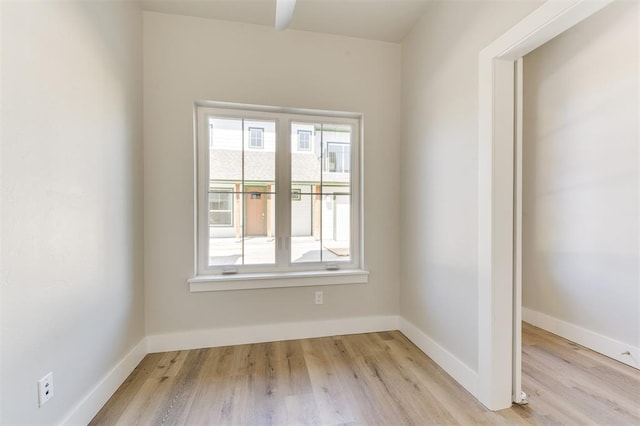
[244,224]
[220,207]
[338,159]
[256,137]
[304,140]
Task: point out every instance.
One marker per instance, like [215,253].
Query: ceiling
[385,20]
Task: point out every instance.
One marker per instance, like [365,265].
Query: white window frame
[284,273]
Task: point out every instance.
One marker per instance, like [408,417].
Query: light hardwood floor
[376,378]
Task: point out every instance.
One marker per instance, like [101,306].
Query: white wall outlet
[45,389]
[319,298]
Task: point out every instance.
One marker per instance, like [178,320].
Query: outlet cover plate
[45,389]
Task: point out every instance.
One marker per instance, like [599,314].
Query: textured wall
[580,227]
[72,283]
[188,59]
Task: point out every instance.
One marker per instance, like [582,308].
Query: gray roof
[226,165]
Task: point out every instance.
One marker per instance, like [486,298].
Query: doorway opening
[576,186]
[499,307]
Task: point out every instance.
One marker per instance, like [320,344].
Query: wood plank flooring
[367,379]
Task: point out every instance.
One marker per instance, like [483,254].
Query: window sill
[276,280]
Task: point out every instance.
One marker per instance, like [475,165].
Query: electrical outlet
[319,298]
[45,389]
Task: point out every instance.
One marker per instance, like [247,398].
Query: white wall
[439,203]
[580,228]
[188,59]
[1,273]
[71,195]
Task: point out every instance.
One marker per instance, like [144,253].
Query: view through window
[286,205]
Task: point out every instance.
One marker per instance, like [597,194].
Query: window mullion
[243,196]
[202,191]
[322,166]
[283,200]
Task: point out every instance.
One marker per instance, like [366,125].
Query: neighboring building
[244,151]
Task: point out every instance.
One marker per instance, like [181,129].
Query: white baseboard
[457,369]
[268,333]
[89,406]
[587,338]
[86,409]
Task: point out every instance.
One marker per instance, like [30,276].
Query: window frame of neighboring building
[284,273]
[342,163]
[309,142]
[229,192]
[250,142]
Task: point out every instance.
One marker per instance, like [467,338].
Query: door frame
[517,394]
[496,156]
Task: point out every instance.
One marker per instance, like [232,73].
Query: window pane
[306,164]
[220,207]
[336,224]
[336,152]
[237,190]
[225,242]
[305,230]
[320,225]
[218,218]
[259,193]
[225,151]
[338,159]
[256,137]
[242,155]
[306,171]
[260,165]
[336,188]
[259,226]
[320,188]
[304,139]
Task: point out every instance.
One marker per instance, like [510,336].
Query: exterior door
[255,211]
